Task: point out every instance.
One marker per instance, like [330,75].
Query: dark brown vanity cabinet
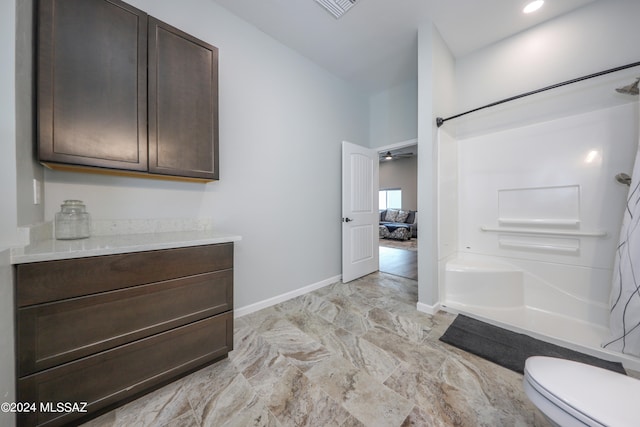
[101,330]
[121,91]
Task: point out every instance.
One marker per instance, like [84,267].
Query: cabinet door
[92,84]
[183,103]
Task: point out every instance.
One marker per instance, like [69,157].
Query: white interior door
[360,214]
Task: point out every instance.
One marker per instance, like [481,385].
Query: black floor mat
[511,349]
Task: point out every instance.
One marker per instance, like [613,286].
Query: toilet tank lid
[607,397]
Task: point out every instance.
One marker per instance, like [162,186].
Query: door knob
[347,219]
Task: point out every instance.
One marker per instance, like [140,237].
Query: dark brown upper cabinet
[183,103]
[92,84]
[121,92]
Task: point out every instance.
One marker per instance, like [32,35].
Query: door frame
[395,146]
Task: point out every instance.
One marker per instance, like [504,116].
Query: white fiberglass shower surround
[529,221]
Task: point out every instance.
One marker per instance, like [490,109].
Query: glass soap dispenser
[72,222]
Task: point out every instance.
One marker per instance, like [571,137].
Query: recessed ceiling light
[533,6]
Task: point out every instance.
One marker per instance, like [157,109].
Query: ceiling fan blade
[390,156]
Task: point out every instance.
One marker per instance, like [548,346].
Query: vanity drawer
[48,281]
[109,377]
[58,332]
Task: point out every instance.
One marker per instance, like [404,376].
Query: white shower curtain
[624,322]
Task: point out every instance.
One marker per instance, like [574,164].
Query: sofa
[398,224]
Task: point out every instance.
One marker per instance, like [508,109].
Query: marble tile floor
[356,354]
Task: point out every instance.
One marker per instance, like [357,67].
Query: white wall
[435,97]
[393,115]
[445,158]
[8,212]
[282,120]
[599,36]
[28,212]
[401,173]
[447,195]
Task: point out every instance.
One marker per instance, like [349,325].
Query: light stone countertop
[50,249]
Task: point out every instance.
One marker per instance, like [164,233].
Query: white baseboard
[248,309]
[429,309]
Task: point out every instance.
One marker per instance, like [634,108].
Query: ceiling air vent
[337,7]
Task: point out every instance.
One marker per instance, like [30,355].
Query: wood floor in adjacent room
[355,354]
[399,258]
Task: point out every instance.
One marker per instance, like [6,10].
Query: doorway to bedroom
[398,201]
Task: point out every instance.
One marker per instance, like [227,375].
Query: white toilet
[574,394]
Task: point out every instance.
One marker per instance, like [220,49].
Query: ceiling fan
[391,156]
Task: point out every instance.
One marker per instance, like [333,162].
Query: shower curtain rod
[440,121]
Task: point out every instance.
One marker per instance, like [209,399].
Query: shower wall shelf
[598,233]
[549,247]
[540,221]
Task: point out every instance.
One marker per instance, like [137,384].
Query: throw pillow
[402,216]
[411,218]
[391,216]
